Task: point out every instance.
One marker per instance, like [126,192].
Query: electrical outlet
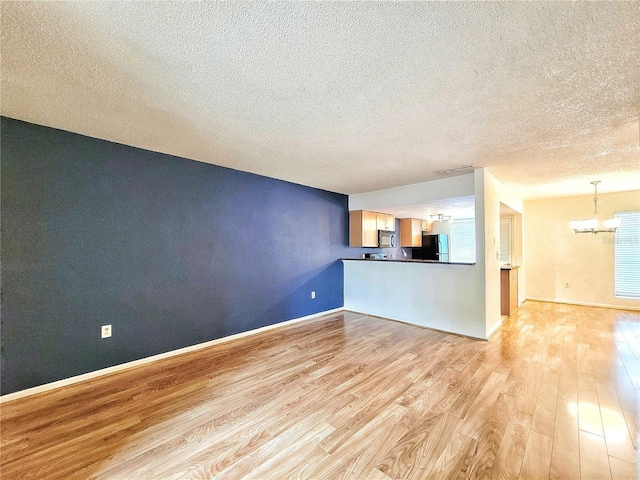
[566,285]
[313,294]
[105,331]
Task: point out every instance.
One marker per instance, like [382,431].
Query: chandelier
[592,225]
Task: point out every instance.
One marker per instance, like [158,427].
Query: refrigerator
[434,247]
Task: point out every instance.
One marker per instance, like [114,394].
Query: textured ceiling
[348,97]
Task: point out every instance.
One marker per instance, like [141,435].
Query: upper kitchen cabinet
[410,232]
[363,228]
[427,225]
[386,222]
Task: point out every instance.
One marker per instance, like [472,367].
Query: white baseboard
[584,304]
[143,361]
[495,328]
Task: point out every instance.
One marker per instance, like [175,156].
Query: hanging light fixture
[439,217]
[592,225]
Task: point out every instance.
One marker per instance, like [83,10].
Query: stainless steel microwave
[387,240]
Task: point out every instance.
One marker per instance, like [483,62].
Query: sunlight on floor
[592,418]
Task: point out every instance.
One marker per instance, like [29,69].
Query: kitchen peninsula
[407,260]
[440,295]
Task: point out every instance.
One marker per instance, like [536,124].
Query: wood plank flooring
[553,394]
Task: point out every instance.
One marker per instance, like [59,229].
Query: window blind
[627,255]
[505,240]
[463,241]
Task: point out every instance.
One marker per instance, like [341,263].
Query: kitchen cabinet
[508,290]
[386,222]
[427,225]
[363,228]
[410,232]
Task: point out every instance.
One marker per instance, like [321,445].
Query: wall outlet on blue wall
[105,331]
[313,294]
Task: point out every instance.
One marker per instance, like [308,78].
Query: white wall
[433,295]
[488,231]
[555,255]
[518,256]
[412,195]
[441,227]
[507,197]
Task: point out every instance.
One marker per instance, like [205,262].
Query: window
[463,241]
[505,240]
[627,255]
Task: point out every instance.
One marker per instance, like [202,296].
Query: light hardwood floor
[553,394]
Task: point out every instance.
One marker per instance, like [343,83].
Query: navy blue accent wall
[170,251]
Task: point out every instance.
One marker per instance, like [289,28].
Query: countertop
[508,267]
[408,260]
